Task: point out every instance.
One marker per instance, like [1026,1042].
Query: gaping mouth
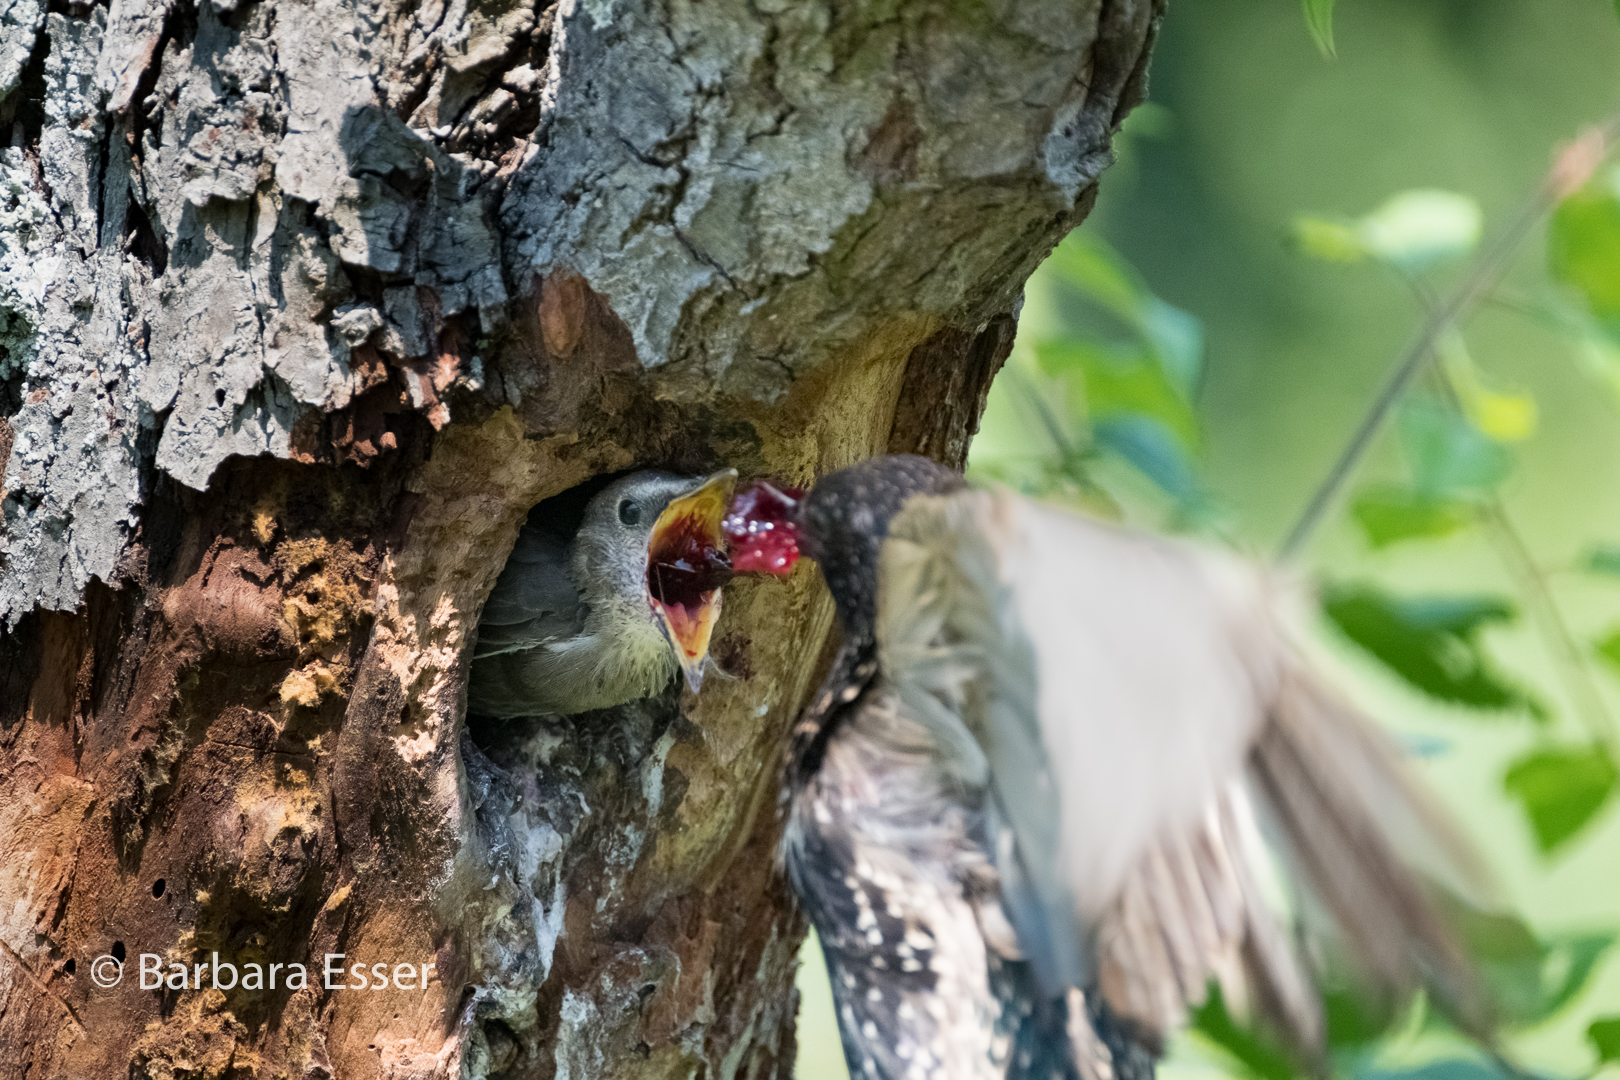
[687,563]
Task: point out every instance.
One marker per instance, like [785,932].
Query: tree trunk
[303,304]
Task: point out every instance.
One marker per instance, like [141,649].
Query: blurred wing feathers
[1125,690]
[952,647]
[1192,911]
[1340,800]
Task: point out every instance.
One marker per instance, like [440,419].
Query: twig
[1572,168]
[1043,411]
[1577,674]
[1532,581]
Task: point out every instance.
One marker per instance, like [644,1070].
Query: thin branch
[1569,172]
[1043,411]
[1578,679]
[1574,668]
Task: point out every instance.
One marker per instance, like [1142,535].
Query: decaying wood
[303,304]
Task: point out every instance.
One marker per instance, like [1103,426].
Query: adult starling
[1023,805]
[608,613]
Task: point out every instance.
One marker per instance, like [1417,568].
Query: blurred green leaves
[1603,560]
[1530,978]
[1604,1035]
[1319,21]
[1583,247]
[1456,443]
[1116,380]
[1448,455]
[1410,231]
[1502,416]
[1098,275]
[1431,642]
[1389,513]
[1561,789]
[1454,466]
[1445,1069]
[1583,255]
[1250,1050]
[1608,647]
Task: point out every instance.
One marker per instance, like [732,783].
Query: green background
[1250,125]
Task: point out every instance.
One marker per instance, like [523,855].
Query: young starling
[609,614]
[1023,805]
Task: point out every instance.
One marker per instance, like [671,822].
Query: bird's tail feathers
[1355,825]
[1206,903]
[1195,911]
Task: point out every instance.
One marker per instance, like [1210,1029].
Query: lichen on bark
[303,305]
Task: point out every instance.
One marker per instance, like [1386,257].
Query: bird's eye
[629,512]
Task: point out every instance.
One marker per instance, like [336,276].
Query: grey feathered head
[657,535]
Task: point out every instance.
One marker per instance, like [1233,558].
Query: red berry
[763,530]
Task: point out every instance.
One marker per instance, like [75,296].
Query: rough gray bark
[302,306]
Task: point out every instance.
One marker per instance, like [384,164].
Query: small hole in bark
[118,951]
[68,968]
[503,1044]
[157,887]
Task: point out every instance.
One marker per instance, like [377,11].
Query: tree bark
[303,304]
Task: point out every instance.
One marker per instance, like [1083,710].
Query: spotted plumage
[1022,810]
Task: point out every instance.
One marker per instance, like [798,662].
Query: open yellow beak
[687,563]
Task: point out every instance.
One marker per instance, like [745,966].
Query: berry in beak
[687,564]
[763,529]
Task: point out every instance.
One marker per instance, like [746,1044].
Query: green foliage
[1389,514]
[1123,382]
[1431,642]
[1448,455]
[1319,21]
[1531,978]
[1410,231]
[1445,1069]
[1355,1020]
[1118,382]
[1417,229]
[1608,647]
[1250,1050]
[1114,377]
[1583,247]
[1504,417]
[1561,789]
[1604,1035]
[1603,560]
[1330,241]
[1095,271]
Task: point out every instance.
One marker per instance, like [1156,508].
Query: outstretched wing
[1129,685]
